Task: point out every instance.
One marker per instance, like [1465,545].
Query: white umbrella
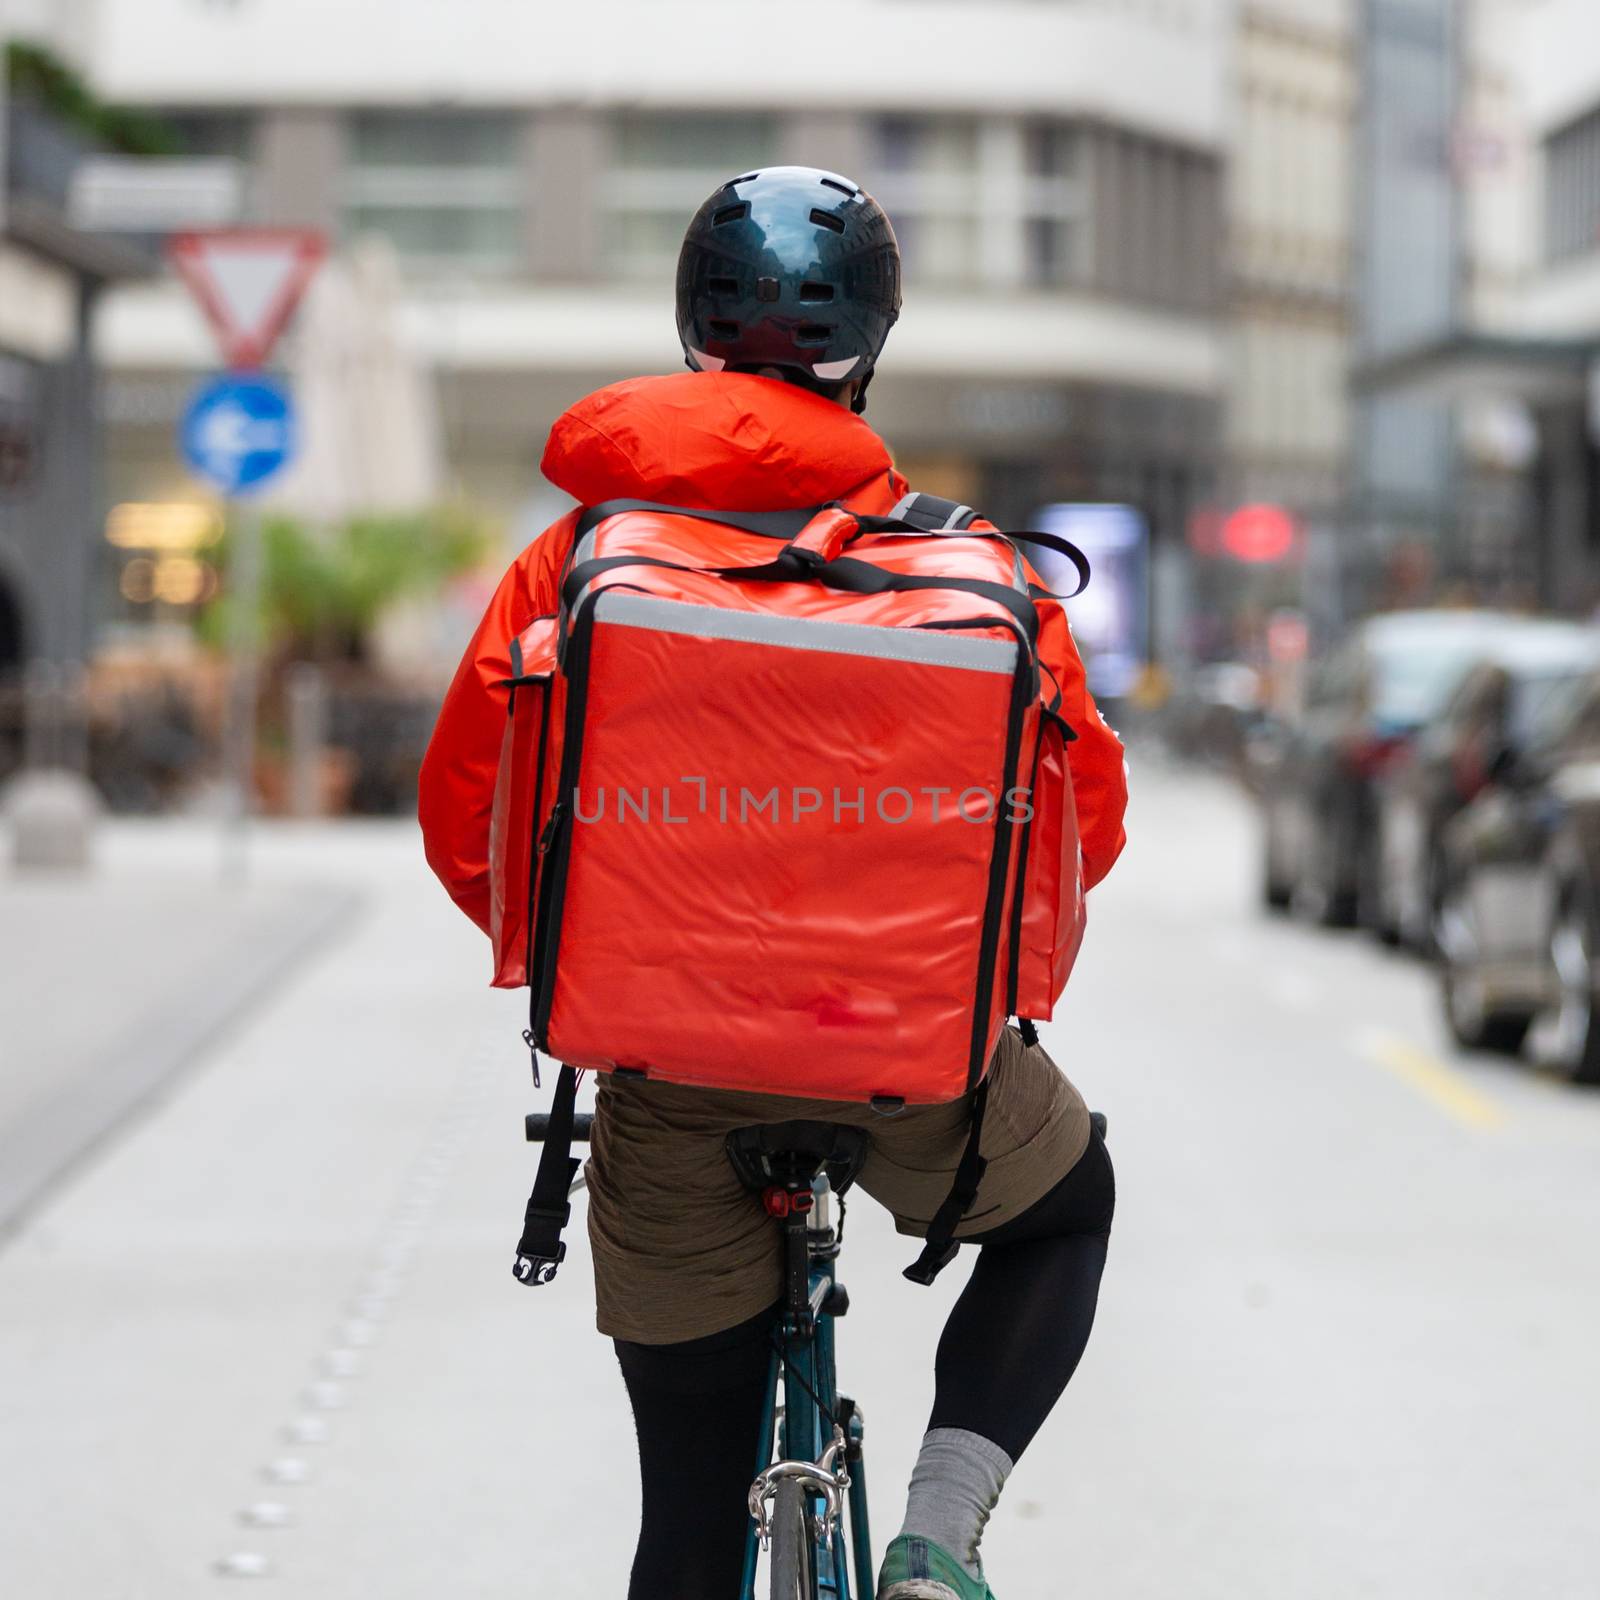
[369,416]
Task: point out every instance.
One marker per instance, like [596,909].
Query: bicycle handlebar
[537,1124]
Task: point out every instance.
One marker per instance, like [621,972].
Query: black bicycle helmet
[793,268]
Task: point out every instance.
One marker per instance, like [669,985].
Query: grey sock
[954,1486]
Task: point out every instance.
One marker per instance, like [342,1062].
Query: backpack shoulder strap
[933,513]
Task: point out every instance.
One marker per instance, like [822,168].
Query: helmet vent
[722,331]
[843,188]
[725,286]
[826,219]
[734,213]
[816,291]
[812,333]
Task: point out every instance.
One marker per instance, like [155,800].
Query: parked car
[1316,776]
[1518,927]
[1212,713]
[1525,661]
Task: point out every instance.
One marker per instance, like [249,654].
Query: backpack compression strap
[541,1248]
[926,512]
[941,1246]
[913,513]
[936,515]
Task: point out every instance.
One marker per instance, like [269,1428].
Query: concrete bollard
[52,813]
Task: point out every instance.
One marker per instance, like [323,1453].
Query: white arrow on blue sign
[238,431]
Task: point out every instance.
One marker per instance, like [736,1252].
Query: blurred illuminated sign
[1110,619]
[168,535]
[162,525]
[1260,533]
[173,580]
[1255,534]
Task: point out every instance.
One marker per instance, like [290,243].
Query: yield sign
[248,282]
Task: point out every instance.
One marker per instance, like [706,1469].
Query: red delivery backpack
[783,805]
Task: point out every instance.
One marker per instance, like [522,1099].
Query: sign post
[237,433]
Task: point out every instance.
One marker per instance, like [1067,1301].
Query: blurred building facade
[1289,254]
[1479,332]
[1552,319]
[51,276]
[1290,306]
[1055,173]
[1149,244]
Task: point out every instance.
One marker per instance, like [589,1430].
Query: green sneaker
[918,1569]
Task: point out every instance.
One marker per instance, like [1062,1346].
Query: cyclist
[686,1277]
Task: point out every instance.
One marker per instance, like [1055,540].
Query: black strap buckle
[533,1270]
[931,1263]
[802,559]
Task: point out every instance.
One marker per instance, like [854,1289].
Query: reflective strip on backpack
[929,647]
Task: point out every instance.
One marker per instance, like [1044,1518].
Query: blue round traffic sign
[238,431]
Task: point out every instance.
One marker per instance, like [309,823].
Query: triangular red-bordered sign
[248,282]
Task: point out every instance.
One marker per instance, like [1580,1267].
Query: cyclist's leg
[1008,1350]
[697,1408]
[1019,1328]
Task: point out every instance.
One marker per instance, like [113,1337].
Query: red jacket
[717,442]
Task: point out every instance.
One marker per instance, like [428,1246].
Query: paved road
[115,981]
[1347,1344]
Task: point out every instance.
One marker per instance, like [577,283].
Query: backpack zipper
[555,842]
[536,850]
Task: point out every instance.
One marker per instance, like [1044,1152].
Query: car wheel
[1473,1023]
[1318,895]
[1375,909]
[1387,928]
[1276,890]
[1569,1038]
[1423,937]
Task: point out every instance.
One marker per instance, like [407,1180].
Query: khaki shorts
[681,1249]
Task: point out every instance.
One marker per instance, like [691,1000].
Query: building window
[662,167]
[229,134]
[1157,210]
[924,171]
[446,188]
[1055,206]
[1572,190]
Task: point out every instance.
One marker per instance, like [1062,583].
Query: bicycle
[805,1494]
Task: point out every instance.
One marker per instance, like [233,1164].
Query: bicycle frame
[803,1359]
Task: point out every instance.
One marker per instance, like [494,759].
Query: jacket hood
[718,441]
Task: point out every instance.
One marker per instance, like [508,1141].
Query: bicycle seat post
[781,1162]
[790,1199]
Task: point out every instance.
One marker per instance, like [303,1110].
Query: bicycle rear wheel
[791,1544]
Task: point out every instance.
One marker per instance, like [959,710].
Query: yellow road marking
[1431,1077]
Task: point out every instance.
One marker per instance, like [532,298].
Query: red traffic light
[1260,533]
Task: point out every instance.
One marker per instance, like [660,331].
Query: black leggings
[1013,1340]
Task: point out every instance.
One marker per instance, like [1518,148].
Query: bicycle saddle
[793,1153]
